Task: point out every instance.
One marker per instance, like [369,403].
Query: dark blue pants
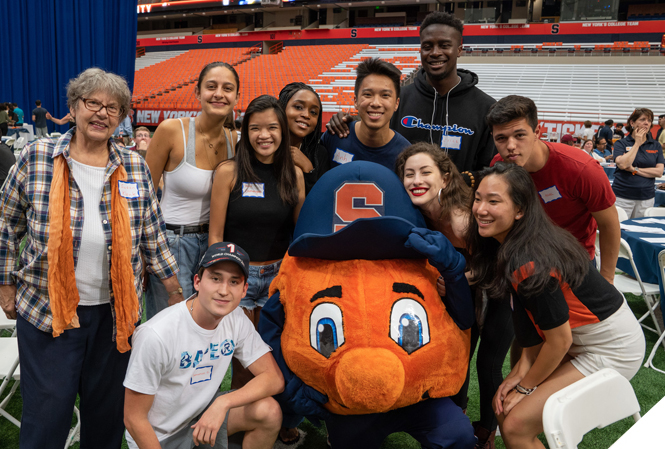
[54,370]
[434,423]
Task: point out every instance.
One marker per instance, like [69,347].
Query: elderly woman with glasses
[90,219]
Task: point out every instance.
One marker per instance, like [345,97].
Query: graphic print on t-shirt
[194,358]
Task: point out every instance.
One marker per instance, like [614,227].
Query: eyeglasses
[96,106]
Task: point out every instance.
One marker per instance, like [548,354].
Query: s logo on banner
[355,200]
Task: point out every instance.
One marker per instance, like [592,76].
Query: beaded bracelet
[523,390]
[471,178]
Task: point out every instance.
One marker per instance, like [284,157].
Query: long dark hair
[456,194]
[282,162]
[533,238]
[311,140]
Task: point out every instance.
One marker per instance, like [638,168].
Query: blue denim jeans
[188,249]
[260,277]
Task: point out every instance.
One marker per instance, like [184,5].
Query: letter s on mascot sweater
[354,312]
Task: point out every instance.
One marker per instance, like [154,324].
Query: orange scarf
[63,294]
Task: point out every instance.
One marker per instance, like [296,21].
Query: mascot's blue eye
[326,337]
[410,333]
[326,328]
[409,327]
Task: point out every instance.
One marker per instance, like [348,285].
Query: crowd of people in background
[194,208]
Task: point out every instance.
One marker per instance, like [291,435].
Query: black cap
[223,251]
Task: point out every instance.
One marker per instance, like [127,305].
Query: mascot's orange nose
[369,380]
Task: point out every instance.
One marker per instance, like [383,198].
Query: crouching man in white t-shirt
[178,362]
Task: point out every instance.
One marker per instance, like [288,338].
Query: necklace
[206,151]
[191,308]
[211,146]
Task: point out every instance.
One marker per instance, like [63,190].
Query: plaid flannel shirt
[24,208]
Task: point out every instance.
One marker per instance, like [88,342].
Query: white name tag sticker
[201,374]
[550,194]
[128,189]
[451,142]
[342,157]
[253,190]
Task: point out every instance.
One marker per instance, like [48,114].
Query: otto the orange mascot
[355,321]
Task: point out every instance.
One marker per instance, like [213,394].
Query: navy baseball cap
[358,210]
[226,251]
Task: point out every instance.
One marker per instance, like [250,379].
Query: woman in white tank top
[185,152]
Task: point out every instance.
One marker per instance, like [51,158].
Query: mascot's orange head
[364,323]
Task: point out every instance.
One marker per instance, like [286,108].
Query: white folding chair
[31,132]
[623,216]
[596,401]
[6,323]
[20,142]
[649,362]
[10,369]
[648,292]
[654,212]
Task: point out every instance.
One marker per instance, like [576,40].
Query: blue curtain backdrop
[45,43]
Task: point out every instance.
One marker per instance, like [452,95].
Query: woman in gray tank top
[185,153]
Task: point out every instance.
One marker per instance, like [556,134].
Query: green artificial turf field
[649,387]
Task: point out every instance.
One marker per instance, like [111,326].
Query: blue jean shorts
[260,277]
[188,250]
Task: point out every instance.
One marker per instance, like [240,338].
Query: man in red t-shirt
[572,186]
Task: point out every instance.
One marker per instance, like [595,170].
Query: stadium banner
[576,128]
[153,117]
[513,29]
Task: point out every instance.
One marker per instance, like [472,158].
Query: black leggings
[495,339]
[3,129]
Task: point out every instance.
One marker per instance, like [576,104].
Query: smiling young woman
[569,319]
[303,112]
[438,190]
[256,200]
[186,152]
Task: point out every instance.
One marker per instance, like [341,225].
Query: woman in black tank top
[256,199]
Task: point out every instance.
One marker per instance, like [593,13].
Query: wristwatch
[176,292]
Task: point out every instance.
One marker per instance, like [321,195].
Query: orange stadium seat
[170,84]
